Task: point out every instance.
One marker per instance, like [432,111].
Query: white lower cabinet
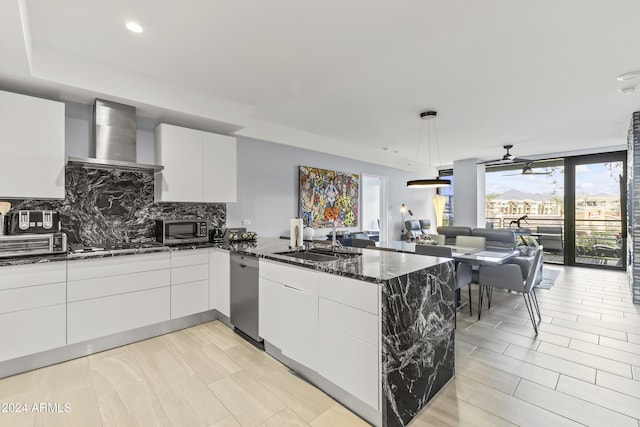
[300,312]
[338,336]
[32,309]
[288,319]
[103,316]
[351,321]
[110,295]
[189,282]
[32,331]
[271,318]
[349,317]
[288,312]
[350,363]
[220,281]
[189,298]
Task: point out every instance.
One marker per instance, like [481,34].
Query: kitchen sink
[338,253]
[318,255]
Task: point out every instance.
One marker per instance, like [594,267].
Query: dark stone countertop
[370,265]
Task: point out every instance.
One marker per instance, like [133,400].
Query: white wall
[268,186]
[468,194]
[370,189]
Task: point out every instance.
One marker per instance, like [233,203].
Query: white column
[468,193]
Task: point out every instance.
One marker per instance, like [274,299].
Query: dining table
[482,257]
[475,256]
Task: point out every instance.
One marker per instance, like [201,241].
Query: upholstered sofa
[497,239]
[416,228]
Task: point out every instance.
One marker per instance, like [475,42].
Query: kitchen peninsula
[374,329]
[379,326]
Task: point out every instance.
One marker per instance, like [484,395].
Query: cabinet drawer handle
[295,289]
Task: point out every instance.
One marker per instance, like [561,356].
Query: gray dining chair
[463,270]
[509,277]
[434,250]
[362,243]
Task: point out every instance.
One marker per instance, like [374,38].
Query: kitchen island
[373,329]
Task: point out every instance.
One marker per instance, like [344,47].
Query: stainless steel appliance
[181,231]
[244,297]
[32,244]
[114,136]
[34,222]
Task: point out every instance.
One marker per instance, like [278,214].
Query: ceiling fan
[527,170]
[506,159]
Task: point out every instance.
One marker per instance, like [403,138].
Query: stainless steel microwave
[180,231]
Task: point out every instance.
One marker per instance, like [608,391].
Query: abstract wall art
[327,195]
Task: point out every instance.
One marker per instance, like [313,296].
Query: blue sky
[591,179]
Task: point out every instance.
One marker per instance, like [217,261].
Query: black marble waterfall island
[416,327]
[417,340]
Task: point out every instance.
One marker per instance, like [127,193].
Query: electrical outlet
[246,222]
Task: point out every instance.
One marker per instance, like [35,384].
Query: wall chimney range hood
[114,136]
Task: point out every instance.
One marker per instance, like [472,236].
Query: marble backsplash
[113,206]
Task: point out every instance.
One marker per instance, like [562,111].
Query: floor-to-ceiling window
[596,212]
[573,207]
[529,198]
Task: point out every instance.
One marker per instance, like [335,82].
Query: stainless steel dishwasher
[244,297]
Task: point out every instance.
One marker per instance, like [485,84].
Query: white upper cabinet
[33,159]
[219,171]
[198,166]
[179,150]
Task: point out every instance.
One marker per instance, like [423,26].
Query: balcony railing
[598,241]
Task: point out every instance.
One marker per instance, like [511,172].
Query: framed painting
[327,195]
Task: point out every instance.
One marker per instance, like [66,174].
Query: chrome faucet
[334,241]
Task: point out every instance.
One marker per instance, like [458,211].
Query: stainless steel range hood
[114,135]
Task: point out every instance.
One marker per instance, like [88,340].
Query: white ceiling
[348,77]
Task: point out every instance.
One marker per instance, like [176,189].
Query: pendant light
[430,116]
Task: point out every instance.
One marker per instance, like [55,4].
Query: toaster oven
[32,244]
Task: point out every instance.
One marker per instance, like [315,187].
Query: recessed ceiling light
[628,90]
[134,27]
[629,76]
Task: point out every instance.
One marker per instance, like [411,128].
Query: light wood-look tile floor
[201,376]
[582,369]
